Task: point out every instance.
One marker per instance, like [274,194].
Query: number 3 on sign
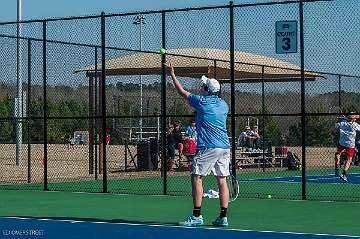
[286,46]
[286,37]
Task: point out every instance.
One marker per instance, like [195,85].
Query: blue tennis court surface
[11,228]
[353,178]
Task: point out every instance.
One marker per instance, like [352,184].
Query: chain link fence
[85,102]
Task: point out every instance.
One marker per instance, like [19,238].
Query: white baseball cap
[212,84]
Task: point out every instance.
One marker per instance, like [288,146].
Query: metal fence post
[28,110]
[96,86]
[232,87]
[45,110]
[263,113]
[103,100]
[340,105]
[163,105]
[303,116]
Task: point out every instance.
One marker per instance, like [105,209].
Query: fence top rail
[162,11]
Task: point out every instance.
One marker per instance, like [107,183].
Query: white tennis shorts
[215,160]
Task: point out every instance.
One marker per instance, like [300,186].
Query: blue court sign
[286,37]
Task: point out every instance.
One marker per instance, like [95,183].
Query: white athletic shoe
[221,222]
[192,221]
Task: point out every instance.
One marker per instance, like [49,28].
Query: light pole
[18,104]
[140,20]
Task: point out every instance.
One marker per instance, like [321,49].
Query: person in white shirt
[347,133]
[248,138]
[254,137]
[244,138]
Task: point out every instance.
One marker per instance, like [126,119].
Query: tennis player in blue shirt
[213,154]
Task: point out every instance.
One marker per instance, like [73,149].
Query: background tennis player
[347,134]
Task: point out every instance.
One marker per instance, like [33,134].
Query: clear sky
[39,9]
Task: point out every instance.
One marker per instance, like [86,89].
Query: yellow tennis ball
[269,196]
[162,51]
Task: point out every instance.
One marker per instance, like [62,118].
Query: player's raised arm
[176,82]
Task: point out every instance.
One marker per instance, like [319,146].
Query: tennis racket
[233,186]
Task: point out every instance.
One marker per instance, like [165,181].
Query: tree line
[70,102]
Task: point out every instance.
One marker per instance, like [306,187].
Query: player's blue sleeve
[194,100]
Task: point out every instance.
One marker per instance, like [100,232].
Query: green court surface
[340,218]
[251,186]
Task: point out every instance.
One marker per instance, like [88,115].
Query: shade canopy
[214,63]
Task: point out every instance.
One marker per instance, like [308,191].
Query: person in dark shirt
[174,141]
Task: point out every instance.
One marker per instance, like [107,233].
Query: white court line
[295,176]
[190,228]
[321,178]
[292,181]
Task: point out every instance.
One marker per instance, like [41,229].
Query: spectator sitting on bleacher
[244,138]
[249,138]
[174,141]
[190,130]
[254,137]
[189,141]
